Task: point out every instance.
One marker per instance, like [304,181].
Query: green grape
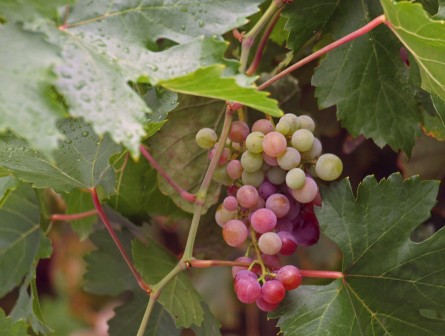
[295,178]
[221,176]
[276,175]
[289,159]
[292,121]
[254,142]
[251,162]
[283,127]
[306,122]
[314,152]
[328,167]
[206,138]
[302,140]
[254,179]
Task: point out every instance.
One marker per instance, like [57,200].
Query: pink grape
[237,269]
[289,276]
[222,215]
[265,306]
[234,232]
[307,193]
[230,203]
[234,169]
[263,220]
[261,203]
[263,125]
[273,292]
[224,155]
[271,161]
[288,243]
[279,204]
[247,196]
[247,289]
[284,224]
[239,131]
[271,261]
[270,243]
[245,274]
[274,144]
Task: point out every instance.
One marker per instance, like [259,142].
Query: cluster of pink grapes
[270,199]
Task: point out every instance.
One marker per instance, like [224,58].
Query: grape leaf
[178,297]
[20,236]
[27,10]
[7,183]
[424,38]
[10,328]
[175,149]
[79,201]
[367,80]
[81,161]
[27,105]
[439,106]
[388,278]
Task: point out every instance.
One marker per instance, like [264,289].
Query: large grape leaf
[175,149]
[424,37]
[389,281]
[26,10]
[10,328]
[79,201]
[81,161]
[20,236]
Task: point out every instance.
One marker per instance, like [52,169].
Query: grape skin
[234,232]
[254,142]
[270,243]
[234,169]
[279,204]
[263,220]
[247,289]
[302,140]
[307,193]
[273,292]
[206,138]
[289,159]
[254,179]
[295,178]
[274,144]
[263,125]
[289,276]
[328,167]
[247,196]
[239,131]
[251,162]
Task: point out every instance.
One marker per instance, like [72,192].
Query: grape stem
[117,242]
[357,33]
[257,251]
[71,217]
[182,193]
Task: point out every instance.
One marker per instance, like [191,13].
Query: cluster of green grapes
[270,199]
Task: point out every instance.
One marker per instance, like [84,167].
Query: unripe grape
[270,243]
[274,144]
[302,140]
[283,127]
[254,142]
[273,291]
[307,193]
[263,125]
[222,215]
[239,131]
[220,175]
[328,167]
[271,161]
[251,162]
[276,175]
[234,232]
[314,152]
[234,169]
[206,138]
[254,179]
[306,122]
[289,159]
[289,276]
[292,120]
[295,178]
[247,196]
[263,220]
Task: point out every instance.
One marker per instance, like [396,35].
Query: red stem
[305,273]
[65,18]
[116,240]
[262,44]
[71,217]
[359,32]
[184,194]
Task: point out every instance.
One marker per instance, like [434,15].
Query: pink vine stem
[117,242]
[71,217]
[359,32]
[183,193]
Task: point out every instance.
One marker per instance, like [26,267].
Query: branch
[359,32]
[71,217]
[116,240]
[183,193]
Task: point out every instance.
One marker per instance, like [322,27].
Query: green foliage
[385,285]
[10,328]
[80,201]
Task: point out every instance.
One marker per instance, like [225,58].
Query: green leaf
[178,297]
[129,316]
[367,80]
[424,37]
[81,161]
[161,102]
[175,149]
[388,279]
[439,105]
[20,237]
[27,105]
[7,183]
[80,201]
[27,10]
[210,325]
[207,82]
[10,328]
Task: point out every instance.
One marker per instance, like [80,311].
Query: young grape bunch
[270,201]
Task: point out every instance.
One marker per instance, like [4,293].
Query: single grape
[223,215]
[307,193]
[239,131]
[302,140]
[270,243]
[265,306]
[245,274]
[274,144]
[234,232]
[263,125]
[306,122]
[289,159]
[271,161]
[234,169]
[273,291]
[251,162]
[276,175]
[263,220]
[237,269]
[225,155]
[230,203]
[271,261]
[279,204]
[206,138]
[288,243]
[307,232]
[254,142]
[295,178]
[314,152]
[289,276]
[283,127]
[292,121]
[247,289]
[254,179]
[261,203]
[266,189]
[328,167]
[247,196]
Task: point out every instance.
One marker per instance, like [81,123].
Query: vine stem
[71,217]
[183,193]
[151,304]
[359,32]
[117,242]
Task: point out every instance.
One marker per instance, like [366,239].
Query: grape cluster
[270,199]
